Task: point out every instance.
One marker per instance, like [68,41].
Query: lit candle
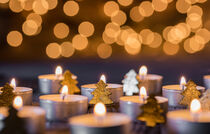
[33,116]
[59,107]
[25,92]
[192,121]
[100,122]
[173,93]
[130,105]
[59,72]
[206,80]
[115,89]
[150,81]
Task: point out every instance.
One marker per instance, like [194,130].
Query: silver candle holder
[115,89]
[60,110]
[130,105]
[206,79]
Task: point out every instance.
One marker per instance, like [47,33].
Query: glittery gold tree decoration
[7,95]
[205,101]
[189,93]
[151,112]
[70,82]
[101,94]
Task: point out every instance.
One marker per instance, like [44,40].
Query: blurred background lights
[107,39]
[67,49]
[104,51]
[4,1]
[110,7]
[53,50]
[79,42]
[30,27]
[147,36]
[125,2]
[112,30]
[182,6]
[71,8]
[160,5]
[135,14]
[35,17]
[170,49]
[15,6]
[61,30]
[157,41]
[119,17]
[40,6]
[14,38]
[146,8]
[52,4]
[86,29]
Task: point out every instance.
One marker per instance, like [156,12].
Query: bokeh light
[71,8]
[86,29]
[112,30]
[53,50]
[30,27]
[119,17]
[187,47]
[40,6]
[61,30]
[79,42]
[182,6]
[195,10]
[35,17]
[27,5]
[146,8]
[104,51]
[125,2]
[67,49]
[170,49]
[52,4]
[135,14]
[107,39]
[203,33]
[110,7]
[160,5]
[4,1]
[15,6]
[14,38]
[147,36]
[157,41]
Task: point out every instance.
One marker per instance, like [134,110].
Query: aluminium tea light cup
[173,93]
[206,80]
[59,107]
[100,122]
[152,82]
[130,105]
[33,116]
[188,122]
[115,89]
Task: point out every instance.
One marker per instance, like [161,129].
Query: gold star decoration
[7,95]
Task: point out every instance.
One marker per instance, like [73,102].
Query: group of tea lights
[73,108]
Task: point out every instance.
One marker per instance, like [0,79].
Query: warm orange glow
[13,83]
[67,49]
[119,17]
[135,14]
[86,29]
[58,71]
[195,10]
[79,42]
[143,71]
[53,50]
[40,6]
[52,4]
[4,1]
[143,93]
[203,33]
[125,2]
[110,7]
[71,8]
[99,110]
[157,41]
[147,36]
[182,82]
[103,78]
[30,27]
[112,30]
[182,6]
[187,47]
[18,102]
[195,106]
[104,51]
[15,6]
[35,17]
[14,38]
[146,8]
[64,90]
[160,5]
[170,49]
[61,30]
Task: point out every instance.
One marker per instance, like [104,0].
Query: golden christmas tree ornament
[101,94]
[151,112]
[7,95]
[190,93]
[70,82]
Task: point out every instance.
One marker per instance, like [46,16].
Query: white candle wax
[33,116]
[58,109]
[116,90]
[112,123]
[25,92]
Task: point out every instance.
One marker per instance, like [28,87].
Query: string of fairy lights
[191,31]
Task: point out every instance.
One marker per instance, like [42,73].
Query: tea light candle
[59,107]
[173,93]
[206,79]
[33,116]
[130,105]
[115,89]
[100,122]
[191,121]
[25,92]
[152,82]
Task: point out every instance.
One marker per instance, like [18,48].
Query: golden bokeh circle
[14,38]
[79,42]
[71,8]
[53,50]
[86,29]
[61,30]
[104,51]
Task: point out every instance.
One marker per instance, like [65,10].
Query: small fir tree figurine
[7,95]
[70,82]
[151,112]
[189,93]
[101,94]
[13,124]
[130,83]
[205,101]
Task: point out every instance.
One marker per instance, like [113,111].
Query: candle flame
[18,102]
[143,92]
[58,71]
[64,90]
[195,106]
[103,78]
[143,71]
[183,81]
[100,110]
[13,83]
